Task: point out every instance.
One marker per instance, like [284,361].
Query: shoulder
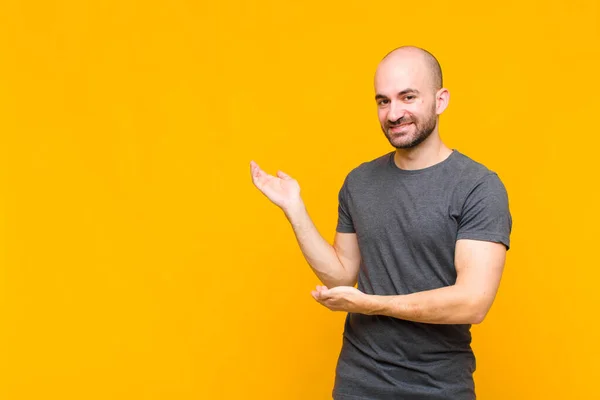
[475,180]
[471,173]
[368,169]
[468,169]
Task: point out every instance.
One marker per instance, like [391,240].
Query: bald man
[423,230]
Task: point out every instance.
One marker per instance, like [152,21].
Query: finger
[324,295]
[324,290]
[254,169]
[283,175]
[258,175]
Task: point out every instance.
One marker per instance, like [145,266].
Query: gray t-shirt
[407,223]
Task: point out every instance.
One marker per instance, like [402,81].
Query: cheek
[421,113]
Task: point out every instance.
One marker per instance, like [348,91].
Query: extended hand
[282,189]
[345,298]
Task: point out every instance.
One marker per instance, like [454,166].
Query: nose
[395,111]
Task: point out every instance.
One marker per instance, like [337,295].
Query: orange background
[139,262]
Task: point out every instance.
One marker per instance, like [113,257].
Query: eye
[410,97]
[382,102]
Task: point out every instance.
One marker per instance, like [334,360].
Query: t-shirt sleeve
[486,214]
[345,223]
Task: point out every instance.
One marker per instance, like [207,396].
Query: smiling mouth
[399,127]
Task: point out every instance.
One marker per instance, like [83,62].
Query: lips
[398,128]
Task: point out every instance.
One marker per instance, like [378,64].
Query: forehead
[396,75]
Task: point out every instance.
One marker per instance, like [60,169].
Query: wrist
[294,209]
[377,305]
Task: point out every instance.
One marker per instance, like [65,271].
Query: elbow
[477,313]
[477,318]
[477,310]
[351,282]
[340,282]
[344,279]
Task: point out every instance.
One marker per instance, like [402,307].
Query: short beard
[420,137]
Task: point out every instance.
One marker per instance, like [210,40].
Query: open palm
[282,189]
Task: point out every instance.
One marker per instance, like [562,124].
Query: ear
[442,98]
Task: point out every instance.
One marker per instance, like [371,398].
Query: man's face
[406,103]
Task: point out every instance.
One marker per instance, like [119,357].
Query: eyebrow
[402,93]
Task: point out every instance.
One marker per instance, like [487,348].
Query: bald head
[418,58]
[409,96]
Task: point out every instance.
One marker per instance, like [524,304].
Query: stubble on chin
[406,140]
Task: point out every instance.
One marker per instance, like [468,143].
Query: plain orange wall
[139,262]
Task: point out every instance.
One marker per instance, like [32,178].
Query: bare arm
[335,265]
[479,267]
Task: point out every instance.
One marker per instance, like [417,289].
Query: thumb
[323,292]
[283,175]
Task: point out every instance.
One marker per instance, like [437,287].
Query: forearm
[447,305]
[320,255]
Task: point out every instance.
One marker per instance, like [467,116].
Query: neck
[426,154]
